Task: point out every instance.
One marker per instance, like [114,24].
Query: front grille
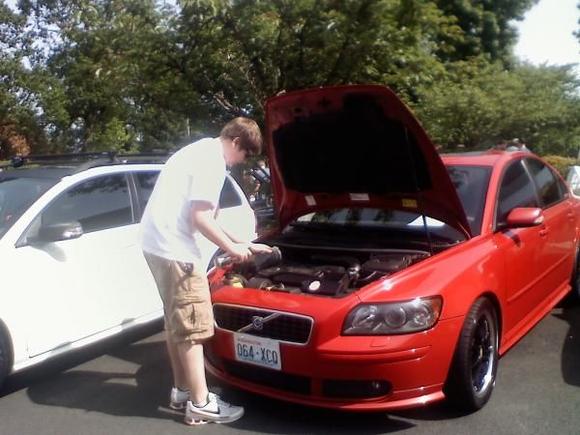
[269,378]
[282,326]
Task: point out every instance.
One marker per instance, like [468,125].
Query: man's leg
[179,377]
[191,360]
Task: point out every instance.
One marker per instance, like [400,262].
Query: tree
[479,104]
[253,49]
[486,27]
[142,75]
[110,58]
[17,123]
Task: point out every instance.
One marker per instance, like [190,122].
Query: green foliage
[480,104]
[562,164]
[17,97]
[142,74]
[486,27]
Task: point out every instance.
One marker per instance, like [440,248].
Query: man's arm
[256,248]
[202,217]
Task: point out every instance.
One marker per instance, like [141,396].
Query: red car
[400,276]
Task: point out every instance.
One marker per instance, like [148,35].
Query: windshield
[378,219]
[471,186]
[470,182]
[16,195]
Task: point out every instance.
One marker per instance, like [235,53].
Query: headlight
[393,318]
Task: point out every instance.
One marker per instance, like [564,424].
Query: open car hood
[354,146]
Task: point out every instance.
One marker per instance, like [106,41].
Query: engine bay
[317,270]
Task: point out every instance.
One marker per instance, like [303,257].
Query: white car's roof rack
[84,161]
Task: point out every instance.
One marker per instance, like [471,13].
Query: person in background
[181,210]
[517,145]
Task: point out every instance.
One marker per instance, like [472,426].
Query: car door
[75,284]
[558,230]
[522,248]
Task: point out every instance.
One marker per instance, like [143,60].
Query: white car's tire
[5,354]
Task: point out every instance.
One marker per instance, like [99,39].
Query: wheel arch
[497,306]
[4,333]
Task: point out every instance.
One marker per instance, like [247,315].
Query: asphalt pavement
[121,387]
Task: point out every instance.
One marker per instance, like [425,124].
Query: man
[181,209]
[517,145]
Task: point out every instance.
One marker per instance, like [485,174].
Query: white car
[573,179]
[72,269]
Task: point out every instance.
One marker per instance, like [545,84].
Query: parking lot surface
[121,387]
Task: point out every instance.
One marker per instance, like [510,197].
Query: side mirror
[525,217]
[59,231]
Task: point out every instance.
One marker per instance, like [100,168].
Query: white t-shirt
[195,173]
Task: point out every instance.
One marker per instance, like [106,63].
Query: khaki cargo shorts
[184,290]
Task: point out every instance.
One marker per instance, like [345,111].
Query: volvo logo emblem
[258,323]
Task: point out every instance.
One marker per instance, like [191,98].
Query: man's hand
[259,248]
[239,252]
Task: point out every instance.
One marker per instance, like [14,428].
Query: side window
[516,190]
[145,184]
[548,187]
[229,196]
[98,204]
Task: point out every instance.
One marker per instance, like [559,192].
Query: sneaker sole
[195,422]
[178,406]
[211,419]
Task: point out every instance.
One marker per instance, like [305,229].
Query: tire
[5,356]
[472,376]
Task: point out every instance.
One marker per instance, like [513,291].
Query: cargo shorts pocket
[192,314]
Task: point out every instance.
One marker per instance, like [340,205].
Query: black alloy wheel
[473,371]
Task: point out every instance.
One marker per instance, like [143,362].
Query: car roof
[54,172]
[58,166]
[490,157]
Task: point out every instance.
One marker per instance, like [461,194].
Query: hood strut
[418,190]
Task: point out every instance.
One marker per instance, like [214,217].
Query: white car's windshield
[16,195]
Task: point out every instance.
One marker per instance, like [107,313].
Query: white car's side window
[97,204]
[229,196]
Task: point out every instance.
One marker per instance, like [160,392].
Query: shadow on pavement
[144,393]
[51,369]
[571,347]
[265,415]
[115,393]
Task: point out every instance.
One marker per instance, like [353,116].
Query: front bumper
[349,373]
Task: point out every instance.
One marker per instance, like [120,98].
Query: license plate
[257,350]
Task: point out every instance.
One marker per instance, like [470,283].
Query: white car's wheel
[5,355]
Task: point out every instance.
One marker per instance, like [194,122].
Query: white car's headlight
[393,318]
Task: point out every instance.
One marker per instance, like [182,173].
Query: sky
[546,33]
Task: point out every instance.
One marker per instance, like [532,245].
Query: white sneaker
[178,398]
[216,411]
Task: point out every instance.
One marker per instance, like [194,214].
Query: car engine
[319,270]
